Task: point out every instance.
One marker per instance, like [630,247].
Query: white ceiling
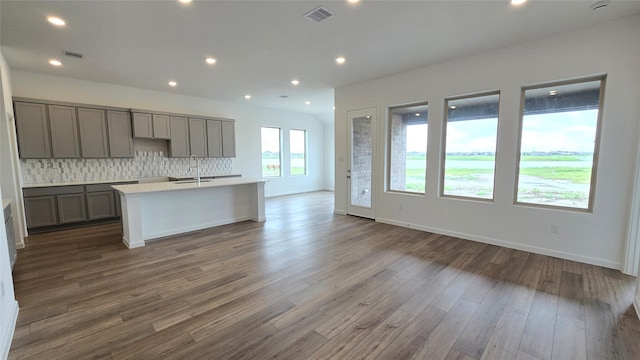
[262,45]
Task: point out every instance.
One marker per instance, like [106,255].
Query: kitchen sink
[191,181]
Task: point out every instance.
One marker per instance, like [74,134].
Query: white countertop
[83,182]
[178,185]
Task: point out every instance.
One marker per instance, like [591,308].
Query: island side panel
[131,221]
[257,201]
[168,213]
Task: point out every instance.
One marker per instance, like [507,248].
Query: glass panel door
[361,170]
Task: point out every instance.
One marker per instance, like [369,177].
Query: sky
[567,131]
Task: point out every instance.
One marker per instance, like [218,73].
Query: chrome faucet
[197,167]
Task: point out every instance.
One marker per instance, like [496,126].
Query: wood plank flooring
[308,284]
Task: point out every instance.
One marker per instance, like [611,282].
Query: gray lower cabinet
[120,141]
[11,238]
[101,205]
[41,211]
[228,138]
[118,203]
[93,133]
[198,137]
[65,142]
[72,204]
[179,144]
[101,202]
[71,208]
[32,127]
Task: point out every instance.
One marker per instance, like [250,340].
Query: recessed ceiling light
[210,60]
[56,21]
[518,2]
[55,62]
[172,83]
[308,102]
[247,96]
[452,107]
[353,1]
[553,92]
[340,60]
[295,82]
[185,1]
[417,114]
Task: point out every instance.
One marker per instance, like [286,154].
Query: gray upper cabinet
[93,133]
[161,127]
[198,137]
[120,142]
[142,126]
[179,144]
[151,126]
[214,138]
[64,131]
[33,130]
[228,138]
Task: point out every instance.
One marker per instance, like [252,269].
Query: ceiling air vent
[73,54]
[318,14]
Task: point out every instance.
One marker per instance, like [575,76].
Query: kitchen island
[155,210]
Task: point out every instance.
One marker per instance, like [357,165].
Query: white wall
[598,237]
[249,119]
[9,164]
[329,159]
[8,304]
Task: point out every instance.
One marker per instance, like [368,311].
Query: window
[558,144]
[298,152]
[470,146]
[408,130]
[271,160]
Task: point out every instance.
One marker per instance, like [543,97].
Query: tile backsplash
[145,164]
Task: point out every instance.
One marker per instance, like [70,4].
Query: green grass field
[271,172]
[523,158]
[415,178]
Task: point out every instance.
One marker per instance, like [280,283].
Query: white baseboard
[286,193]
[508,244]
[636,303]
[339,212]
[10,327]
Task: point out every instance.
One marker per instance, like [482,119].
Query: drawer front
[99,187]
[53,190]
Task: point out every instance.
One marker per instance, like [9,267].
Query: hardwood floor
[308,284]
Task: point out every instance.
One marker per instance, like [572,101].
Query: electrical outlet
[555,229]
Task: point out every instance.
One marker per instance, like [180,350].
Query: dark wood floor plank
[309,284]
